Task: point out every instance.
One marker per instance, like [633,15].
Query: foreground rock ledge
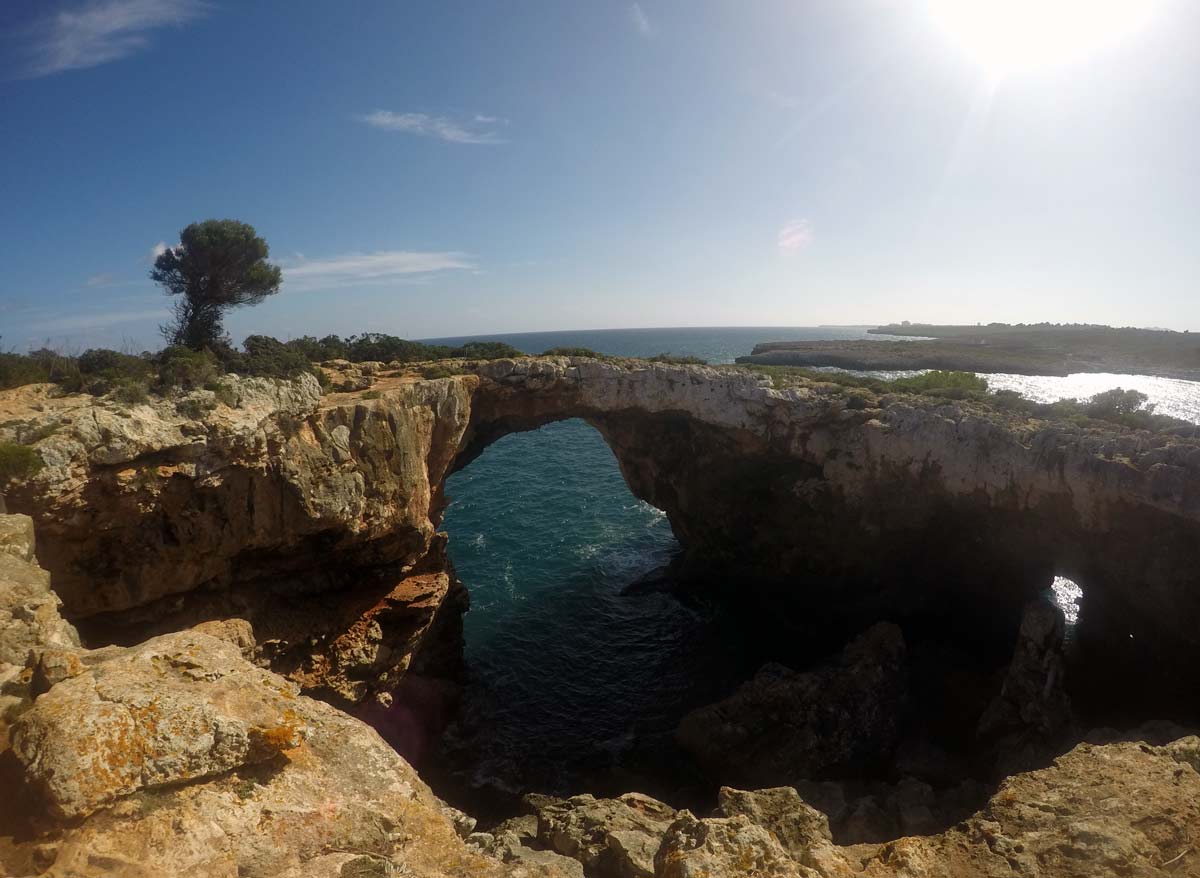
[179,757]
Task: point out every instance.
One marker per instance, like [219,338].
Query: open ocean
[565,672]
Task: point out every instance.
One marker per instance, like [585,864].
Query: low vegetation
[383,348]
[1128,408]
[678,360]
[17,461]
[951,385]
[574,352]
[132,378]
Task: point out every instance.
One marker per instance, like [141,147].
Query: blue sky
[451,168]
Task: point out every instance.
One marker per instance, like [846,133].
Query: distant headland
[1024,349]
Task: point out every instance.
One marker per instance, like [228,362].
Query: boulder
[786,726]
[29,610]
[342,803]
[514,842]
[612,838]
[1027,720]
[724,846]
[16,537]
[800,829]
[1126,809]
[176,708]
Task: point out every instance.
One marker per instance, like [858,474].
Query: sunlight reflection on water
[1067,596]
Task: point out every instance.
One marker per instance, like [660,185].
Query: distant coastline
[1041,349]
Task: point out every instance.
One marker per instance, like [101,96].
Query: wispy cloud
[100,31]
[796,235]
[639,19]
[381,266]
[477,129]
[100,280]
[96,320]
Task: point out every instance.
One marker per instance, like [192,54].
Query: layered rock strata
[785,726]
[1119,809]
[180,757]
[926,511]
[298,532]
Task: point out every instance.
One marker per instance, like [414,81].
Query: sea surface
[568,673]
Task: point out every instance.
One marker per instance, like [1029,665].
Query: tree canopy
[218,265]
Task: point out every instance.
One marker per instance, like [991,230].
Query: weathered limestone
[29,610]
[785,726]
[1030,716]
[179,757]
[723,846]
[1121,809]
[612,838]
[800,829]
[178,707]
[902,506]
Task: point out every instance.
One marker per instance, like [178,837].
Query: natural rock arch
[936,512]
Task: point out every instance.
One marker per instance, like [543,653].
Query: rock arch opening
[579,662]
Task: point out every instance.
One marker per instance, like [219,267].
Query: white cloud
[101,31]
[96,320]
[796,235]
[382,266]
[479,129]
[156,251]
[641,23]
[100,280]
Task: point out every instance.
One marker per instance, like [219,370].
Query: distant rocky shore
[1020,350]
[220,585]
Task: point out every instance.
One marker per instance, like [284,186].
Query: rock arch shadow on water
[578,665]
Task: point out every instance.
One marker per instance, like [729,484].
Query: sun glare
[1008,36]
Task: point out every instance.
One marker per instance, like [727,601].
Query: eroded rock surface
[1032,714]
[612,838]
[179,757]
[785,726]
[176,708]
[154,517]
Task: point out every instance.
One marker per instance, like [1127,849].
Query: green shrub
[59,369]
[133,391]
[1117,403]
[270,358]
[180,366]
[195,407]
[938,382]
[678,360]
[103,371]
[486,350]
[312,349]
[573,352]
[223,393]
[384,348]
[859,398]
[438,371]
[18,461]
[17,370]
[372,394]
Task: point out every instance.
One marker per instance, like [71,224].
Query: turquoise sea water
[567,674]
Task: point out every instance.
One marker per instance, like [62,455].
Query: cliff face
[156,516]
[240,556]
[180,757]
